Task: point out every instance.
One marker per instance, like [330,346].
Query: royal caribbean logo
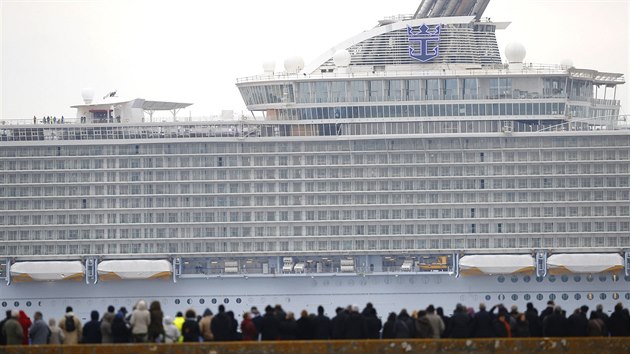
[422,38]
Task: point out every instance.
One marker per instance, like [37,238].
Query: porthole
[238,300]
[226,301]
[514,279]
[615,296]
[614,277]
[177,301]
[202,301]
[539,297]
[565,297]
[527,297]
[16,304]
[564,278]
[577,278]
[189,301]
[488,297]
[28,304]
[214,301]
[501,279]
[552,296]
[602,296]
[602,278]
[527,278]
[552,278]
[626,278]
[4,304]
[589,296]
[627,296]
[540,279]
[514,297]
[577,296]
[501,297]
[589,278]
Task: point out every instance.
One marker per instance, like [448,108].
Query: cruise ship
[405,166]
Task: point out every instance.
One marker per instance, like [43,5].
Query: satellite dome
[269,66]
[515,52]
[342,58]
[294,64]
[88,95]
[567,62]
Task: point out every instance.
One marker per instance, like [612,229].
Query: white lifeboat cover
[47,271]
[584,263]
[134,269]
[496,264]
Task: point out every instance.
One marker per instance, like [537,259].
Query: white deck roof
[146,105]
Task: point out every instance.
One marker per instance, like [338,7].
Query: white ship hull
[388,292]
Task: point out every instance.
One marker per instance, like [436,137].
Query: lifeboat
[134,269]
[588,263]
[496,264]
[47,271]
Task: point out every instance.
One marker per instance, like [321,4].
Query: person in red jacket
[26,323]
[248,328]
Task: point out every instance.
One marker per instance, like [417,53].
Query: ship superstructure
[409,154]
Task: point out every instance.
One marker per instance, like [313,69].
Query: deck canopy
[496,264]
[584,263]
[134,269]
[47,271]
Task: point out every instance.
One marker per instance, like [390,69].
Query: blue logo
[423,37]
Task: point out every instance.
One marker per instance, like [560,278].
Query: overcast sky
[193,51]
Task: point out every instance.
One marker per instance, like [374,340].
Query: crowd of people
[149,324]
[49,120]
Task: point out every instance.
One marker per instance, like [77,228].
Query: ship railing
[614,122]
[418,71]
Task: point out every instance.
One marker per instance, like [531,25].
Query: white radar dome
[269,66]
[342,58]
[515,52]
[567,62]
[88,95]
[294,64]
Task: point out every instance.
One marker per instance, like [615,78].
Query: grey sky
[193,51]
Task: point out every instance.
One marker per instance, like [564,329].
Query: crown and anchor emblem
[423,37]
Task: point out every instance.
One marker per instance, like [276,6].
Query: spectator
[171,333]
[71,327]
[190,329]
[323,326]
[204,325]
[26,323]
[39,331]
[437,324]
[92,330]
[248,328]
[56,334]
[12,330]
[460,323]
[156,328]
[120,331]
[106,325]
[619,323]
[270,325]
[139,322]
[389,328]
[305,329]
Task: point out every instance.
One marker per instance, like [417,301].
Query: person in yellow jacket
[179,322]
